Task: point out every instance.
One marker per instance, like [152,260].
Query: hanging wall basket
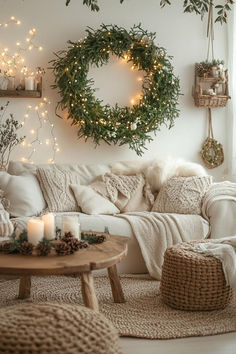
[131,125]
[211,88]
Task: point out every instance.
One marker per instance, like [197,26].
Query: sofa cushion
[23,193]
[128,193]
[91,202]
[182,195]
[55,184]
[86,173]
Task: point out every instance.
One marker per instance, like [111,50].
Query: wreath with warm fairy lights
[117,125]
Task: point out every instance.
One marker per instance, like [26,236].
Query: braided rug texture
[55,328]
[143,315]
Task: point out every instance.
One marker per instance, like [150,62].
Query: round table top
[96,256]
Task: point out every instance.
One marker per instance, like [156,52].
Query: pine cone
[43,250]
[26,248]
[74,244]
[62,249]
[83,244]
[5,247]
[101,238]
[67,237]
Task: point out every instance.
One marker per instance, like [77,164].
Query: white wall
[184,37]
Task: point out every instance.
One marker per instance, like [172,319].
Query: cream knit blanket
[219,208]
[156,232]
[225,250]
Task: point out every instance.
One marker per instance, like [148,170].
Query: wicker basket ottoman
[191,281]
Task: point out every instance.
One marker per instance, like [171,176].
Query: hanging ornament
[133,126]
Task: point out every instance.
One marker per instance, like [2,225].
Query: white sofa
[134,262]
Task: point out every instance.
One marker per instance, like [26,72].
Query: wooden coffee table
[83,262]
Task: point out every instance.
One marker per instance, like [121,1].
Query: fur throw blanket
[159,170]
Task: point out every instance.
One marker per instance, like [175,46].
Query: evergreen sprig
[199,7]
[117,125]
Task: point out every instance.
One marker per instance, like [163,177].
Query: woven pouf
[56,328]
[191,281]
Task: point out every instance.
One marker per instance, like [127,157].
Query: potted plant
[8,136]
[3,81]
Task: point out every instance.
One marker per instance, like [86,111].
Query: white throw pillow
[23,193]
[91,202]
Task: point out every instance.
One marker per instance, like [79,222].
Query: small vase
[214,71]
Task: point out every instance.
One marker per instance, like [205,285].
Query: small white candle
[49,226]
[29,83]
[35,231]
[71,224]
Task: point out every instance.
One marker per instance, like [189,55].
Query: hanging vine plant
[199,7]
[117,125]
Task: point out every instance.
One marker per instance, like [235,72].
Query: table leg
[24,288]
[116,288]
[88,291]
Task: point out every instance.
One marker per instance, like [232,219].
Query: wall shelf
[21,94]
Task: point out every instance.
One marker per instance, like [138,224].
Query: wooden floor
[219,344]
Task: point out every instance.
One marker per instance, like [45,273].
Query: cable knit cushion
[128,193]
[182,195]
[91,202]
[56,328]
[22,195]
[55,184]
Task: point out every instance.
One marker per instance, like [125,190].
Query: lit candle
[49,226]
[71,224]
[29,83]
[35,231]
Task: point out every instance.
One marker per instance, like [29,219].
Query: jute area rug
[143,315]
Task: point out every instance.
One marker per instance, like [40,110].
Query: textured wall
[184,37]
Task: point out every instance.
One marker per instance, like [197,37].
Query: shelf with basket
[211,85]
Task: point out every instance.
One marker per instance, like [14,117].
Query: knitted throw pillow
[55,184]
[182,195]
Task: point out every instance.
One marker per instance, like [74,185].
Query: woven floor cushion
[56,328]
[191,281]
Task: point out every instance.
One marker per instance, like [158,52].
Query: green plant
[204,66]
[157,104]
[199,7]
[8,136]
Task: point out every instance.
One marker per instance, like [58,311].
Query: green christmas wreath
[117,125]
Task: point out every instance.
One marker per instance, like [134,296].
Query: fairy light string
[12,63]
[40,111]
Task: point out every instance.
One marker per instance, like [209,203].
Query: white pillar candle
[49,226]
[70,223]
[35,231]
[29,83]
